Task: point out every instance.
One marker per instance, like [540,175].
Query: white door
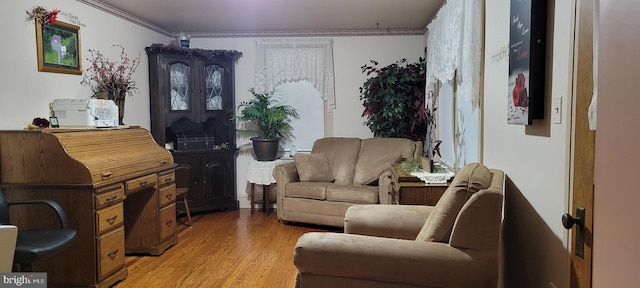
[617,147]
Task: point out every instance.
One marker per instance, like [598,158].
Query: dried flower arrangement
[110,77]
[42,15]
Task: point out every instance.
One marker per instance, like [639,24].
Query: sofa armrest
[284,173]
[394,221]
[429,264]
[385,188]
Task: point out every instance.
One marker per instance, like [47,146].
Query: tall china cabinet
[192,102]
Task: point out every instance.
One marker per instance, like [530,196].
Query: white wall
[349,54]
[26,93]
[535,158]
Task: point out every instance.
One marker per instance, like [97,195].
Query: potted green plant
[394,100]
[267,121]
[394,104]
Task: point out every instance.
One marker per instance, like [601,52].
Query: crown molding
[333,33]
[247,34]
[126,16]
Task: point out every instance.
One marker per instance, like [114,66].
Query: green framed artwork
[58,46]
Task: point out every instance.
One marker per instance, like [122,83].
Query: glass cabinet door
[213,86]
[180,94]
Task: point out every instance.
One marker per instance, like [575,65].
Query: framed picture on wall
[58,47]
[527,57]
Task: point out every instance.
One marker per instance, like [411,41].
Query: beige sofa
[452,244]
[318,188]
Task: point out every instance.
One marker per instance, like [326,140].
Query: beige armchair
[452,244]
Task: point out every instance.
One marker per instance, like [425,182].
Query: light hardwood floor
[223,249]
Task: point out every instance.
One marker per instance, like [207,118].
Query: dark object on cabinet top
[194,141]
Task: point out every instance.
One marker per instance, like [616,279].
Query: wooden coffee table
[409,190]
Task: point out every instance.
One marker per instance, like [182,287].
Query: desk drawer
[109,217]
[141,183]
[111,252]
[167,195]
[168,221]
[166,179]
[113,196]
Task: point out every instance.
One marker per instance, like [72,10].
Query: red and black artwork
[520,97]
[527,57]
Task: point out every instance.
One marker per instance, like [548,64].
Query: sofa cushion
[313,167]
[342,154]
[377,153]
[309,190]
[312,211]
[470,179]
[353,193]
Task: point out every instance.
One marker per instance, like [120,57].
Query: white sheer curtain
[454,43]
[290,60]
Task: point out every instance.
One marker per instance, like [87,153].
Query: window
[458,128]
[306,99]
[454,55]
[300,71]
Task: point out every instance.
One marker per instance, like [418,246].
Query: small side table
[409,190]
[261,173]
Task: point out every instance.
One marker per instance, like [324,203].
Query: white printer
[85,112]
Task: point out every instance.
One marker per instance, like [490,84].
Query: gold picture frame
[58,46]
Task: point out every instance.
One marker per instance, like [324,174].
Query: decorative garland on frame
[43,16]
[203,53]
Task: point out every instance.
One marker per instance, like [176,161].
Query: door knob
[568,221]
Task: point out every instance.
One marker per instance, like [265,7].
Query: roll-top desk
[116,186]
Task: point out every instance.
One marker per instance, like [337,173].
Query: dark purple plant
[394,100]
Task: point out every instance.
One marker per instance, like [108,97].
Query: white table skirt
[261,172]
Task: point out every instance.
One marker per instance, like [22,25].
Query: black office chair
[37,244]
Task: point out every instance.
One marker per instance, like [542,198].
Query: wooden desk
[409,190]
[117,188]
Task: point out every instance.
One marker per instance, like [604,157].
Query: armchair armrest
[62,217]
[429,264]
[394,221]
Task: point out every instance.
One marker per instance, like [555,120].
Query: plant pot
[265,149]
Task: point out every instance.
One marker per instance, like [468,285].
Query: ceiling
[207,18]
